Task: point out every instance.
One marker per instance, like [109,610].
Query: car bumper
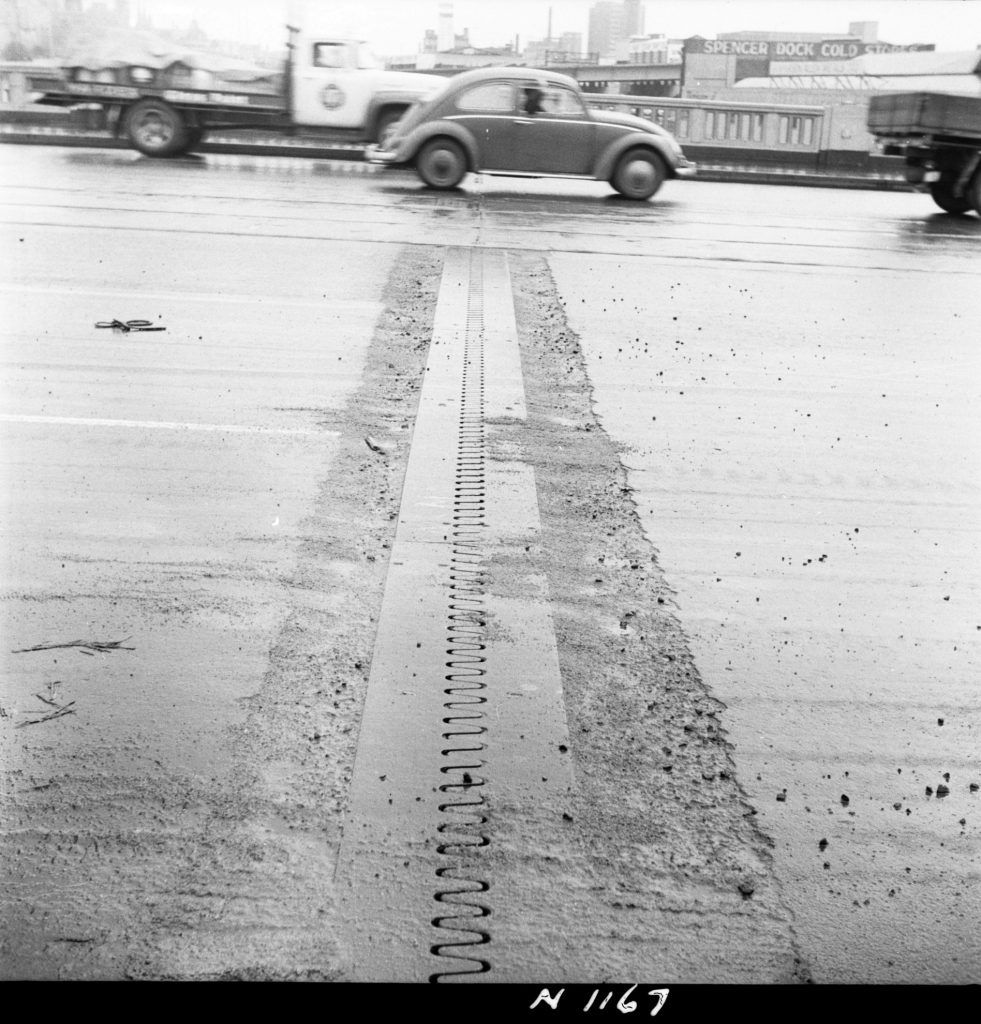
[686,169]
[374,154]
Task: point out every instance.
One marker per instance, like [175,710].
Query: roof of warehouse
[962,62]
[917,71]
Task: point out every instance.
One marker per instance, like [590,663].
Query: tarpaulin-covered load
[134,57]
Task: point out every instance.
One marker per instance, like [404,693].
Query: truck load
[939,137]
[164,101]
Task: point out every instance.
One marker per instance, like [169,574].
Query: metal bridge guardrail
[17,131]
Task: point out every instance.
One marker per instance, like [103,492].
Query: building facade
[611,25]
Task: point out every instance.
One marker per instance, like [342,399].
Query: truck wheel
[387,119]
[944,197]
[639,174]
[441,163]
[974,192]
[155,128]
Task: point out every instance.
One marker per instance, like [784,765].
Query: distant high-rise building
[634,17]
[445,31]
[612,23]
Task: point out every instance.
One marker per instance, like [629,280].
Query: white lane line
[228,428]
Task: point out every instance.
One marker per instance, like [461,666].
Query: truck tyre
[944,197]
[387,119]
[155,128]
[974,191]
[441,163]
[639,174]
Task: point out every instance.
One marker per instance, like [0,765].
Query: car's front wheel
[639,174]
[441,163]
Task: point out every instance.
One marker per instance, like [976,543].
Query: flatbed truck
[939,137]
[164,107]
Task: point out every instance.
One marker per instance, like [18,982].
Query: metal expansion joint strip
[460,834]
[455,723]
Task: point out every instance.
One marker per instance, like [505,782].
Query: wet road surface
[789,374]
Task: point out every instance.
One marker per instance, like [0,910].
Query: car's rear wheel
[441,163]
[639,174]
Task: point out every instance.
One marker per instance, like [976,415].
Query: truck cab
[339,83]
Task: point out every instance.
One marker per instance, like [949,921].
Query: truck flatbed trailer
[223,108]
[926,113]
[939,137]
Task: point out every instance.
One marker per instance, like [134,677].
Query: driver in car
[533,101]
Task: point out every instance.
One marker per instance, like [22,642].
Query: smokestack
[549,37]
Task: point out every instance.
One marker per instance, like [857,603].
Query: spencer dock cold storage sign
[795,49]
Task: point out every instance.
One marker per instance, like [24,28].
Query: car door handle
[523,120]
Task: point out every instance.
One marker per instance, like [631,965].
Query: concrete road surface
[776,389]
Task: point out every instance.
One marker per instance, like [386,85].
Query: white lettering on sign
[897,47]
[737,47]
[794,51]
[838,50]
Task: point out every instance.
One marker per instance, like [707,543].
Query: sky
[397,26]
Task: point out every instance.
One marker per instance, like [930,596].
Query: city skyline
[398,26]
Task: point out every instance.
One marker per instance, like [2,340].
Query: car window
[562,102]
[489,97]
[531,100]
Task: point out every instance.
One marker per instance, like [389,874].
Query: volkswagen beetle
[527,123]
